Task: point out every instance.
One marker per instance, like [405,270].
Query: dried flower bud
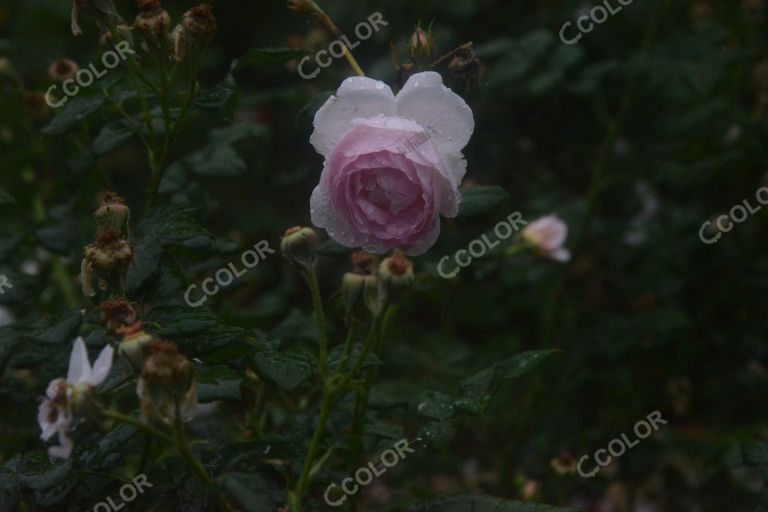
[35,105]
[113,214]
[107,259]
[299,246]
[116,314]
[395,277]
[199,22]
[153,22]
[167,383]
[421,45]
[62,69]
[466,65]
[135,344]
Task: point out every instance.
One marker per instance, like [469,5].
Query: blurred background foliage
[649,126]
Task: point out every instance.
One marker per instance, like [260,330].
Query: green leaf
[480,200]
[484,504]
[172,225]
[477,390]
[754,453]
[144,266]
[288,370]
[5,197]
[74,111]
[111,136]
[218,383]
[179,322]
[218,98]
[265,57]
[249,490]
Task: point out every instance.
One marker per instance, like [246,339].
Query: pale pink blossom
[58,413]
[548,235]
[393,164]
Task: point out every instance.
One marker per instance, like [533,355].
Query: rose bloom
[393,164]
[548,235]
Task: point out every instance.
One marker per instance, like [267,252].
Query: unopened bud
[153,22]
[421,45]
[299,246]
[395,277]
[107,258]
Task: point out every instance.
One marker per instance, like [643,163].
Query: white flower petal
[561,254]
[79,367]
[63,451]
[357,97]
[47,427]
[438,109]
[101,366]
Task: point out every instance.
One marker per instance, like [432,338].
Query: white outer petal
[101,366]
[427,101]
[357,97]
[79,367]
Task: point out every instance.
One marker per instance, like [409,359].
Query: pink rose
[393,164]
[548,235]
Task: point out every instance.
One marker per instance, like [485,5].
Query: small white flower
[548,234]
[58,411]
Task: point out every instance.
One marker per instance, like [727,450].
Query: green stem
[128,420]
[317,437]
[347,346]
[322,334]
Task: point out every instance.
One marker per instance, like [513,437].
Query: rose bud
[113,214]
[358,287]
[179,43]
[299,246]
[62,69]
[395,277]
[547,235]
[421,45]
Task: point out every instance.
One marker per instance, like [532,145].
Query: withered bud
[113,214]
[135,344]
[199,22]
[62,69]
[299,246]
[106,39]
[106,259]
[395,277]
[167,382]
[116,314]
[153,24]
[466,65]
